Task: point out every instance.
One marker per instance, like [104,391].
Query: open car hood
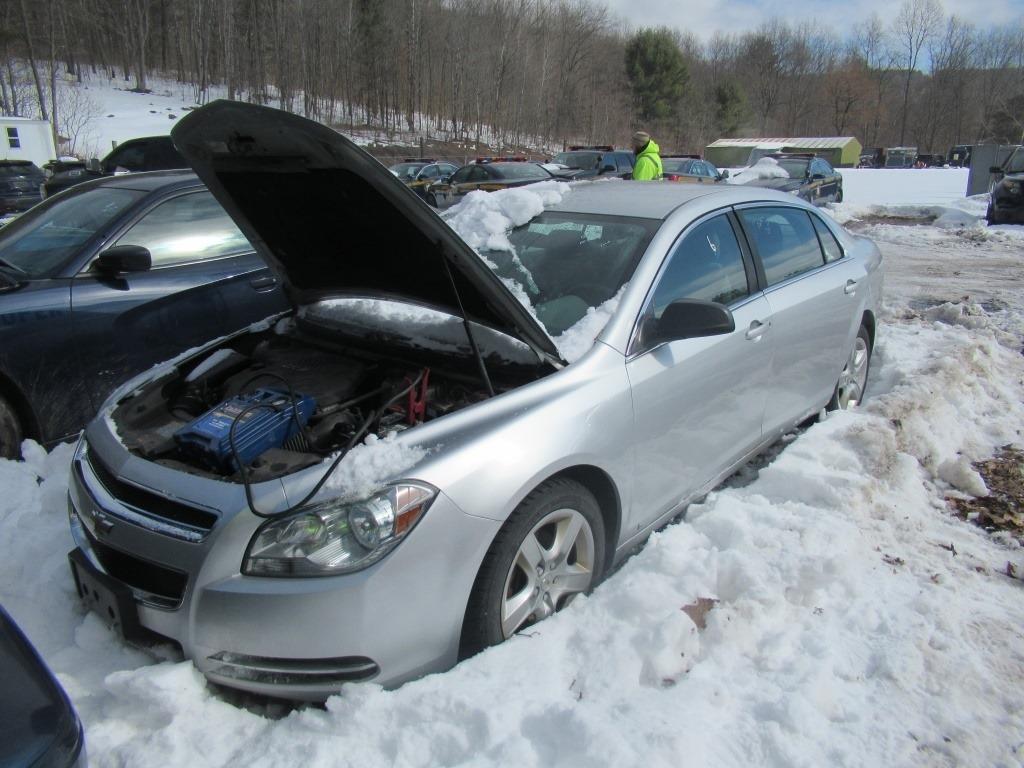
[331,219]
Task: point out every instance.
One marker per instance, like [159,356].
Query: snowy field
[855,622]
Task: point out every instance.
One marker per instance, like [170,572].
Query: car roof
[656,200]
[149,181]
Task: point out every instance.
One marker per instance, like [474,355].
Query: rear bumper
[18,203]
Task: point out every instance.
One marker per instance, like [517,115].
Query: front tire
[11,433]
[849,391]
[551,549]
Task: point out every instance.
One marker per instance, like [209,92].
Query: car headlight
[337,537]
[1011,186]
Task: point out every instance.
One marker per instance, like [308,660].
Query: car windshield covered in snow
[566,263]
[796,167]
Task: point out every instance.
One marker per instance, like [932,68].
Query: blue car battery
[265,419]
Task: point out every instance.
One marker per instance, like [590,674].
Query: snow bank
[765,168]
[846,631]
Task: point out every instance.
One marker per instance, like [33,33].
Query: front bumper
[1008,206]
[299,638]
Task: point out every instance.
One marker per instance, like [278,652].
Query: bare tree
[916,24]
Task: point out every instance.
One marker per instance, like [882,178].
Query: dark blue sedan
[107,279]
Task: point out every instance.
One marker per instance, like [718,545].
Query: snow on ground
[856,622]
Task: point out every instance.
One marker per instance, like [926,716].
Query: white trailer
[22,138]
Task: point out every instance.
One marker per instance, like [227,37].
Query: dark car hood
[783,185]
[331,219]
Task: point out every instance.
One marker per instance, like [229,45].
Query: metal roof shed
[841,151]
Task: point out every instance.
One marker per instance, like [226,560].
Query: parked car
[38,724]
[501,477]
[930,161]
[959,156]
[690,169]
[106,280]
[487,174]
[419,174]
[1006,201]
[19,185]
[809,177]
[149,153]
[871,157]
[586,162]
[900,157]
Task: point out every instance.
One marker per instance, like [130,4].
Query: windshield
[522,171]
[670,165]
[1016,162]
[566,263]
[19,169]
[46,237]
[406,170]
[796,168]
[582,160]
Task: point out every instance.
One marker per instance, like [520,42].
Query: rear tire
[853,380]
[839,195]
[11,433]
[551,548]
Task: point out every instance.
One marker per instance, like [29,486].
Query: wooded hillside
[522,72]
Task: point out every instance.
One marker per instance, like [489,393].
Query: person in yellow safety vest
[648,161]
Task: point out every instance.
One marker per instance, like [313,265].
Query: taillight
[672,177]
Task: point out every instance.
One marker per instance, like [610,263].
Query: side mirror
[93,165]
[445,179]
[996,169]
[817,176]
[689,319]
[124,258]
[723,174]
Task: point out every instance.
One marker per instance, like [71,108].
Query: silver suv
[415,463]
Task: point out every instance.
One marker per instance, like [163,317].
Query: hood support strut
[465,322]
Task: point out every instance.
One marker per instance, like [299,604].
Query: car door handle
[851,287]
[756,330]
[264,283]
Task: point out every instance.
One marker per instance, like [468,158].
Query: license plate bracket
[111,600]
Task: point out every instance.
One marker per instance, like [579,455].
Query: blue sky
[704,17]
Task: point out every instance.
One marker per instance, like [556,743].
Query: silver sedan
[438,448]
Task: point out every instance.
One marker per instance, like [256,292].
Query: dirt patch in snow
[863,222]
[1002,510]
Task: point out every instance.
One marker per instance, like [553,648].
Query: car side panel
[37,355]
[124,325]
[699,405]
[813,322]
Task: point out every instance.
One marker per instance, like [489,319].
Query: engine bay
[266,405]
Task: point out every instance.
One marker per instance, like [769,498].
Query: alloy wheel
[554,563]
[854,377]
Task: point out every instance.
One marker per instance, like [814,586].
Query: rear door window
[785,241]
[829,245]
